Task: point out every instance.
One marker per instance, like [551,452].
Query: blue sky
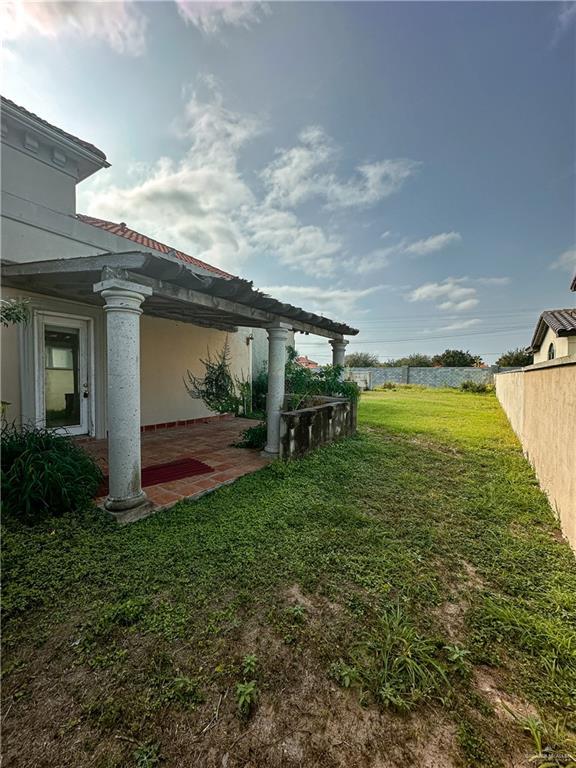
[408,168]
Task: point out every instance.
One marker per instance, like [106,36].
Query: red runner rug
[165,473]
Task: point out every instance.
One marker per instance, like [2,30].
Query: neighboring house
[118,317]
[305,362]
[555,335]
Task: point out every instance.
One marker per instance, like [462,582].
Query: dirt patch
[506,706]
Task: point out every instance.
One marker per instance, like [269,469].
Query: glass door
[63,386]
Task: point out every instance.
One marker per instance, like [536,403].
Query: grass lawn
[402,598]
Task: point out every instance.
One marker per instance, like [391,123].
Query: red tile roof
[148,242]
[561,321]
[305,362]
[4,102]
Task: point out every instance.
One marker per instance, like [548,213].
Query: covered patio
[210,442]
[126,285]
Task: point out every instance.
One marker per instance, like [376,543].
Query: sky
[405,167]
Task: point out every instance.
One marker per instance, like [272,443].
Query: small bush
[45,474]
[385,385]
[477,387]
[253,437]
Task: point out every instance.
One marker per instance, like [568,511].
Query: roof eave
[173,281]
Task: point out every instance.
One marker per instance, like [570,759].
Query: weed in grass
[459,658]
[249,664]
[344,674]
[181,690]
[297,614]
[398,666]
[147,755]
[106,713]
[475,748]
[246,697]
[549,737]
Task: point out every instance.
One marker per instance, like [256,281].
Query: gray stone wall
[369,378]
[306,429]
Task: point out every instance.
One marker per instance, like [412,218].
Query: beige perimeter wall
[540,402]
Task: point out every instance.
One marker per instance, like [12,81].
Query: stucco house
[117,317]
[555,335]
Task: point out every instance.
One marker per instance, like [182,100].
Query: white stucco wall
[563,346]
[33,179]
[167,350]
[34,232]
[540,402]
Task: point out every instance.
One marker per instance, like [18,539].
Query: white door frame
[85,326]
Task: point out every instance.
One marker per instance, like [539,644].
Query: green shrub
[218,388]
[253,437]
[45,474]
[478,387]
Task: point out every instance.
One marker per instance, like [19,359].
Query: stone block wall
[304,430]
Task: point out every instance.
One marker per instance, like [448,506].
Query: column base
[266,454]
[122,505]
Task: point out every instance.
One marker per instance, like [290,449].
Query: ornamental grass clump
[45,474]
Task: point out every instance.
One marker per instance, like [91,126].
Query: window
[551,352]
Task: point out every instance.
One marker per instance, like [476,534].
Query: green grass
[431,507]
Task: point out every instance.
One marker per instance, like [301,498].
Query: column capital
[338,343]
[279,331]
[122,295]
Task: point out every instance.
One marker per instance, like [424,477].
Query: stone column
[123,310]
[277,337]
[338,351]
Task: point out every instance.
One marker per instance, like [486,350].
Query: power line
[418,338]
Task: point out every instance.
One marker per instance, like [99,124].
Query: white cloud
[449,294]
[432,244]
[458,325]
[567,15]
[459,306]
[372,262]
[566,260]
[320,299]
[120,24]
[456,294]
[203,205]
[381,257]
[305,172]
[210,17]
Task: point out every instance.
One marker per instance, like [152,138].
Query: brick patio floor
[209,442]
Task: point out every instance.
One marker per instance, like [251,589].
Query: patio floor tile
[209,442]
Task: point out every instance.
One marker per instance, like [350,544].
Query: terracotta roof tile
[148,242]
[81,143]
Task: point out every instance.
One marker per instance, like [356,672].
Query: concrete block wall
[369,378]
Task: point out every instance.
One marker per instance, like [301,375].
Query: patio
[210,442]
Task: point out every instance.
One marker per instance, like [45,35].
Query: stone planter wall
[330,418]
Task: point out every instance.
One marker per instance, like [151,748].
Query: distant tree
[361,360]
[456,358]
[416,360]
[520,356]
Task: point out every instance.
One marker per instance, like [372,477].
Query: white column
[123,310]
[277,337]
[338,351]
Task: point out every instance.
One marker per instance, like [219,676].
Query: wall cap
[556,363]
